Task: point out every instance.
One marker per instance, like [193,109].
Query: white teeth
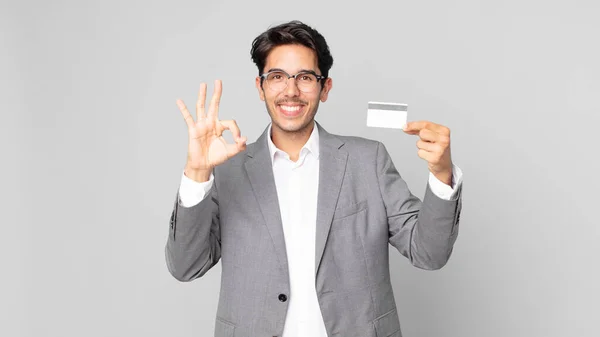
[290,108]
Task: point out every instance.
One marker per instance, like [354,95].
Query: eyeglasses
[307,81]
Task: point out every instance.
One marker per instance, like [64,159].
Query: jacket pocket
[224,328]
[346,211]
[387,325]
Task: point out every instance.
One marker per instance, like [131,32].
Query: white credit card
[387,115]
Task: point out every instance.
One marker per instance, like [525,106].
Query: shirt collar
[312,144]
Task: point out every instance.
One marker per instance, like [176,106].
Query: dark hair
[293,32]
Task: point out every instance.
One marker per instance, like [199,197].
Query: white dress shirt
[297,186]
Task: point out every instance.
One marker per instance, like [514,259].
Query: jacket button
[282,297]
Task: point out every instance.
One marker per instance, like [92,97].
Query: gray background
[93,148]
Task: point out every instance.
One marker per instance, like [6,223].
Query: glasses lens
[306,82]
[277,80]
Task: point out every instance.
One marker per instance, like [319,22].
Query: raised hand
[206,147]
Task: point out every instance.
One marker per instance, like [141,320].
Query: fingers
[430,157]
[429,132]
[213,110]
[189,120]
[233,149]
[427,146]
[240,142]
[413,128]
[232,126]
[428,135]
[200,113]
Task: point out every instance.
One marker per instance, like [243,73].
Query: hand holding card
[433,139]
[434,147]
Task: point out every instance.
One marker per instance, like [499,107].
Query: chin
[288,126]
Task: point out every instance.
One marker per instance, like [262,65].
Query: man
[301,219]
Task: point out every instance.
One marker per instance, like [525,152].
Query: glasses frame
[320,78]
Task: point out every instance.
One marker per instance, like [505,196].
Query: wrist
[198,175]
[445,176]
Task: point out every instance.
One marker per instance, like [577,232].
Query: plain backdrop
[93,148]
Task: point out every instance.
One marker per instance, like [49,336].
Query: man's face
[291,109]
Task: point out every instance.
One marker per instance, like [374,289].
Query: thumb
[237,147]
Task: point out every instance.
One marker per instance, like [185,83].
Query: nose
[291,89]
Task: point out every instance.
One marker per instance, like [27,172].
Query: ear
[261,92]
[327,85]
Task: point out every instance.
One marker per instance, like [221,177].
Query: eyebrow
[301,70]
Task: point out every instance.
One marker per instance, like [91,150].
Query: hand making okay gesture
[207,148]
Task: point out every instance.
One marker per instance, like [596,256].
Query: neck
[291,142]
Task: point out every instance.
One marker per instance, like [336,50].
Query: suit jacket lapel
[260,172]
[332,166]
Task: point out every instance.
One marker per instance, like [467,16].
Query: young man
[301,219]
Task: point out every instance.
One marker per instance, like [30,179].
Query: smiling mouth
[291,110]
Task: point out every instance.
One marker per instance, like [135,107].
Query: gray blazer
[363,204]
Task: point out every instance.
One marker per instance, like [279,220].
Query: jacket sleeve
[423,231]
[194,242]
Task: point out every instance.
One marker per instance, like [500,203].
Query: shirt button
[282,297]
